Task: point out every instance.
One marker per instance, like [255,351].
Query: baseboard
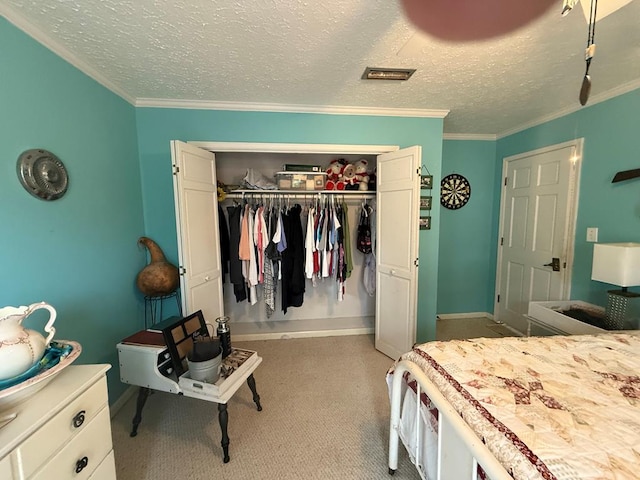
[124,398]
[305,334]
[453,316]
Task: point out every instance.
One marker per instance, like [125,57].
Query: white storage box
[301,181]
[550,313]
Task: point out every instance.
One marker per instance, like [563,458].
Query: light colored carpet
[325,416]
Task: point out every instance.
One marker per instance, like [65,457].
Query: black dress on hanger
[293,279]
[235,265]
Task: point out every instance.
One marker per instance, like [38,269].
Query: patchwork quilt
[560,407]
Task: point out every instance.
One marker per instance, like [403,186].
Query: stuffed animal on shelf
[349,177]
[362,176]
[334,174]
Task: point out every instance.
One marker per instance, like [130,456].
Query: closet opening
[321,313]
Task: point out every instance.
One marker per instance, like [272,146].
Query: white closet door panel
[398,196]
[398,254]
[196,201]
[393,336]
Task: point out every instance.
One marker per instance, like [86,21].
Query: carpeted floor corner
[325,416]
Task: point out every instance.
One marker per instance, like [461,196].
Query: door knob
[555,264]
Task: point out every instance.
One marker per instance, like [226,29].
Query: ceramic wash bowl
[59,355]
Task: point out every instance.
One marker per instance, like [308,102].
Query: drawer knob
[78,420]
[80,464]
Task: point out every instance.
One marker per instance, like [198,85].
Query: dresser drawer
[83,454]
[106,470]
[5,468]
[70,421]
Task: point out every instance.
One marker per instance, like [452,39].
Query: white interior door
[537,226]
[196,200]
[398,196]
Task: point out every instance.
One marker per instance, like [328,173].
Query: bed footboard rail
[459,450]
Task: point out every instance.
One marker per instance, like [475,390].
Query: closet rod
[350,194]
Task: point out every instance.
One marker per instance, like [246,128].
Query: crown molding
[595,99]
[469,136]
[284,108]
[27,27]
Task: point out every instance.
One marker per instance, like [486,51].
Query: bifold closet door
[195,193]
[398,197]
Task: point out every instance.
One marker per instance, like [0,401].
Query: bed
[554,408]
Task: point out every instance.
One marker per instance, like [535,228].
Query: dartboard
[454,191]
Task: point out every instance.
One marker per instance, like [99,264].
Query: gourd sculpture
[159,277]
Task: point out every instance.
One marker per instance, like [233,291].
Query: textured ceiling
[304,54]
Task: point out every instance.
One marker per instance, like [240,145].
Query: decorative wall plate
[42,174]
[454,191]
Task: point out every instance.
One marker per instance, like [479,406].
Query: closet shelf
[355,194]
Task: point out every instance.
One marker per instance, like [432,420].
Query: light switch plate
[592,234]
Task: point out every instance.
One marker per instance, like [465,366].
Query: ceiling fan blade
[626,175]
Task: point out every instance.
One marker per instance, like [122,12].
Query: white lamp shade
[616,263]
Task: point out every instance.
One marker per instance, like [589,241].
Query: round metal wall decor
[455,191]
[42,174]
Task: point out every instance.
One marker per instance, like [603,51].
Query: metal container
[224,334]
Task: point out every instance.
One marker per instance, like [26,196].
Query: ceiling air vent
[371,73]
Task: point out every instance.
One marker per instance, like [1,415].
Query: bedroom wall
[611,144]
[467,250]
[77,253]
[158,126]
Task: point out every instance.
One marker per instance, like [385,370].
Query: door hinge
[564,264]
[501,241]
[415,262]
[418,170]
[498,298]
[183,271]
[176,169]
[505,181]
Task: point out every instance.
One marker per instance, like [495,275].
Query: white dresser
[61,432]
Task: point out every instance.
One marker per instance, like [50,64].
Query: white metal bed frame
[459,450]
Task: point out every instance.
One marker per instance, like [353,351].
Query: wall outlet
[592,234]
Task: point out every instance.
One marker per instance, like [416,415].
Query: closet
[390,312]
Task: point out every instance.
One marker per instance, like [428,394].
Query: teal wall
[157,127]
[78,253]
[611,144]
[467,250]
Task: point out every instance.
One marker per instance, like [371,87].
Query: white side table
[150,368]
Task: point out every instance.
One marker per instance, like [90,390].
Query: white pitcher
[21,348]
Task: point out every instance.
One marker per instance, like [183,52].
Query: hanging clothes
[235,264]
[369,274]
[310,246]
[245,243]
[347,240]
[223,231]
[293,280]
[252,265]
[340,267]
[271,271]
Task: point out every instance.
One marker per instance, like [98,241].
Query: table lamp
[619,264]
